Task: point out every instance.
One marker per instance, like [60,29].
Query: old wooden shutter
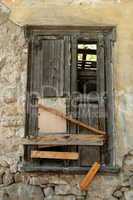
[50,72]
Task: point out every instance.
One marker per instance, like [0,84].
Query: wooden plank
[55,155]
[89,176]
[67,139]
[69,118]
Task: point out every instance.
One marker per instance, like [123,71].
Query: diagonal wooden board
[84,184]
[55,155]
[69,118]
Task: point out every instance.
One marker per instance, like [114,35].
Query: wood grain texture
[55,155]
[69,118]
[67,139]
[89,176]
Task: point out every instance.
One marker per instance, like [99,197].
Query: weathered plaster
[13,66]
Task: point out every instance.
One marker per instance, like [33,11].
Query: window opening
[86,66]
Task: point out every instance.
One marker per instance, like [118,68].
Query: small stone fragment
[117,194]
[18,177]
[48,191]
[13,168]
[2,171]
[131,182]
[1,180]
[8,178]
[129,195]
[3,163]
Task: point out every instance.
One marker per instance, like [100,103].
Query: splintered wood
[89,176]
[55,155]
[69,118]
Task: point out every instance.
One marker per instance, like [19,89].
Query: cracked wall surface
[13,71]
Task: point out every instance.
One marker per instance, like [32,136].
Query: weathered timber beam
[69,118]
[67,139]
[30,167]
[55,155]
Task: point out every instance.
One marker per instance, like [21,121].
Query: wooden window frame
[109,33]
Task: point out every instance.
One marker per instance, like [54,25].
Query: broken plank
[55,155]
[89,176]
[69,118]
[67,139]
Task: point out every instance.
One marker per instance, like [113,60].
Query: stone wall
[16,185]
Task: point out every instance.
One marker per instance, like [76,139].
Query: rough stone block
[18,177]
[22,191]
[4,13]
[8,178]
[58,197]
[68,189]
[38,180]
[117,194]
[4,164]
[129,195]
[48,191]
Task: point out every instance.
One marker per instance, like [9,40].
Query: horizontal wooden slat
[67,139]
[69,118]
[55,155]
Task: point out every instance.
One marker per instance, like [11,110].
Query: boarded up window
[69,67]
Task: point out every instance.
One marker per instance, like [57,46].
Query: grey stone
[80,198]
[22,191]
[48,191]
[8,178]
[131,152]
[2,171]
[59,197]
[57,180]
[4,164]
[1,194]
[124,189]
[1,180]
[38,180]
[18,177]
[117,194]
[68,189]
[4,13]
[128,163]
[131,182]
[2,63]
[128,195]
